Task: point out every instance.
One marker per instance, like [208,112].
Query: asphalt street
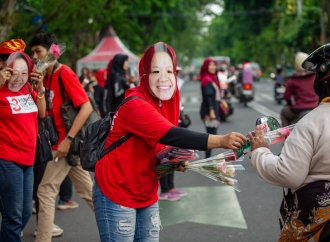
[211,211]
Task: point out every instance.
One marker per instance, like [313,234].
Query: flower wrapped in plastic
[54,52]
[219,167]
[216,168]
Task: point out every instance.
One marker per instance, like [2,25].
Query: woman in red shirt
[125,194]
[18,136]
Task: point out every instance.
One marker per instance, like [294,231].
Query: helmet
[300,57]
[278,68]
[318,62]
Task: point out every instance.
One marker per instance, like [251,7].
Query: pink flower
[221,167]
[285,131]
[55,51]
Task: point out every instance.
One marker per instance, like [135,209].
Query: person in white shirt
[304,163]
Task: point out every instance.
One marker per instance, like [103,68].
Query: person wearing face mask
[6,48]
[117,84]
[210,86]
[20,105]
[125,193]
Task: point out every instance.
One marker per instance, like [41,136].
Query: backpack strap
[122,139]
[60,82]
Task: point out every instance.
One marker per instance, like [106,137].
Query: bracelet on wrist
[41,96]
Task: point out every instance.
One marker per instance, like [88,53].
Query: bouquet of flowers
[218,167]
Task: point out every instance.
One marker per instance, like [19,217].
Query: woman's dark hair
[44,39]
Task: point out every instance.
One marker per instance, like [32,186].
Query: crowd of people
[123,194]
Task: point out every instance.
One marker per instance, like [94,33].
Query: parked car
[256,71]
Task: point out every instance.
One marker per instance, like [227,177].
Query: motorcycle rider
[244,77]
[299,92]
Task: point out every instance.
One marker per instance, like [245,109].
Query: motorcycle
[279,90]
[246,93]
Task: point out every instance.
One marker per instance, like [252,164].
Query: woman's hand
[38,77]
[212,114]
[232,141]
[258,140]
[182,166]
[5,75]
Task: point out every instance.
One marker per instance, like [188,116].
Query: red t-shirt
[73,90]
[18,126]
[127,174]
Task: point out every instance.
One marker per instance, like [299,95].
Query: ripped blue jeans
[117,223]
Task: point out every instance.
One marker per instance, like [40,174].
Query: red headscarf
[207,77]
[169,109]
[100,77]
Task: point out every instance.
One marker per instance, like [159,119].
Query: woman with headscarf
[19,108]
[125,193]
[210,86]
[117,84]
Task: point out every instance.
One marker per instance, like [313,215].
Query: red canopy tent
[109,46]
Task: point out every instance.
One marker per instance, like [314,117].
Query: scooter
[279,90]
[246,93]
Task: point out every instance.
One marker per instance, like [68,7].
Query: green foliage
[139,24]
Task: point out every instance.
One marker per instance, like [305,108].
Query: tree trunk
[6,18]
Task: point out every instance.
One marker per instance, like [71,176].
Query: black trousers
[167,182]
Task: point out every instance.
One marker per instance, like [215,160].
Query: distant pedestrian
[210,87]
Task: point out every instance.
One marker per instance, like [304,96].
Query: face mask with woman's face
[162,79]
[19,76]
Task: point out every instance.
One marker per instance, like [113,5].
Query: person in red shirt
[19,108]
[299,92]
[125,193]
[57,169]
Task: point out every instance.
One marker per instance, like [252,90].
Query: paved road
[211,211]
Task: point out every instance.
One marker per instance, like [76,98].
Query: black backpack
[91,148]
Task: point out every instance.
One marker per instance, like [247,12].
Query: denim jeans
[15,199]
[117,223]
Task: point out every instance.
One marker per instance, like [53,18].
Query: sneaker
[66,205]
[178,192]
[57,231]
[167,196]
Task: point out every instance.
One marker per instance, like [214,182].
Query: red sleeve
[144,121]
[73,88]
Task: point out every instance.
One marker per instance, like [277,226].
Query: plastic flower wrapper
[54,52]
[273,133]
[272,137]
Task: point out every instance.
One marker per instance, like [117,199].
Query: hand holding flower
[232,141]
[258,140]
[37,79]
